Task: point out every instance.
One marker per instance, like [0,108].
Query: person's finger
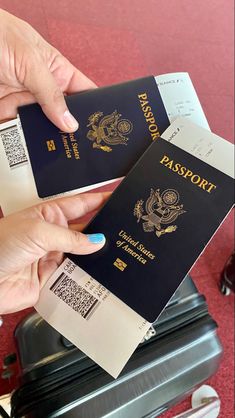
[47,237]
[78,226]
[10,103]
[21,291]
[78,81]
[41,83]
[73,207]
[48,264]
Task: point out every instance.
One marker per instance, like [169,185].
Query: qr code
[13,146]
[78,298]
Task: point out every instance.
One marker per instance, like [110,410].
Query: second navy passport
[116,125]
[156,224]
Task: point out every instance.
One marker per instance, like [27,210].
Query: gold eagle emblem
[110,130]
[161,209]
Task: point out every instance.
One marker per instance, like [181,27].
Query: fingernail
[96,238]
[70,121]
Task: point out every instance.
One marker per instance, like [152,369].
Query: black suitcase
[227,280]
[179,353]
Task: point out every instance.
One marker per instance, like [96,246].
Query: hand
[32,243]
[33,70]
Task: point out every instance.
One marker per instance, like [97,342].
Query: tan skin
[33,70]
[32,242]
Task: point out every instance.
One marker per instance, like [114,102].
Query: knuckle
[84,204]
[76,237]
[30,63]
[58,95]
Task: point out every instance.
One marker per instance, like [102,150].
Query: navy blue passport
[117,124]
[156,223]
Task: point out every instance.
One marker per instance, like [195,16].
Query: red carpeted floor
[114,41]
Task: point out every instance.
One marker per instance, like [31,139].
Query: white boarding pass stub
[180,98]
[205,145]
[91,317]
[17,188]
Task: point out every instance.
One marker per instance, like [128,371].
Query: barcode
[13,146]
[75,296]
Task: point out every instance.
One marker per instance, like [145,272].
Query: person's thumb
[41,83]
[51,237]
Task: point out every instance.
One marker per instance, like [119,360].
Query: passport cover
[117,124]
[156,223]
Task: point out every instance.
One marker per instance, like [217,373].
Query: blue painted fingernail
[96,238]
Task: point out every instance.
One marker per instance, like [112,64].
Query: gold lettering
[182,171]
[211,187]
[203,184]
[120,243]
[156,135]
[195,181]
[75,150]
[72,137]
[128,238]
[124,245]
[150,120]
[149,117]
[146,252]
[147,112]
[187,174]
[142,96]
[169,165]
[153,128]
[176,167]
[66,146]
[165,158]
[143,104]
